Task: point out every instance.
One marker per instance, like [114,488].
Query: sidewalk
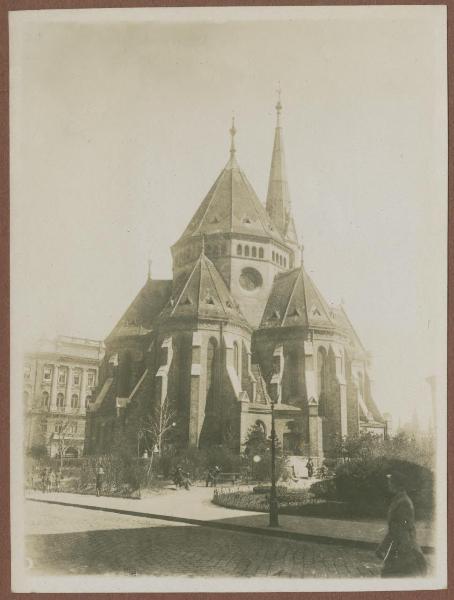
[194,507]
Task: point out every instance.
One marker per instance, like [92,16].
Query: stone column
[69,374]
[83,389]
[53,393]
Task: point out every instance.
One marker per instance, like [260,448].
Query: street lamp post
[274,515]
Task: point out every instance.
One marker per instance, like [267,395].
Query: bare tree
[153,429]
[62,434]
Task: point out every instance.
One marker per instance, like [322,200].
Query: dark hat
[398,479]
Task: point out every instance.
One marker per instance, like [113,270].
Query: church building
[240,326]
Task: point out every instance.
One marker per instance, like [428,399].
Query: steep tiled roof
[203,295]
[146,306]
[295,301]
[231,205]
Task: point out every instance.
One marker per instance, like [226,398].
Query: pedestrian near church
[99,480]
[402,557]
[310,467]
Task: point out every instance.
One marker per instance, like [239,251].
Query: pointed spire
[203,244]
[278,198]
[278,105]
[149,269]
[232,135]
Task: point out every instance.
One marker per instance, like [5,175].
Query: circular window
[250,279]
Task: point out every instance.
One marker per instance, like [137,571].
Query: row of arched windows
[279,259]
[193,252]
[45,400]
[214,250]
[249,251]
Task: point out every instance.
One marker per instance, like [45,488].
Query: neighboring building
[60,377]
[240,322]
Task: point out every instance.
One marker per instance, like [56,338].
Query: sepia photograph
[228,299]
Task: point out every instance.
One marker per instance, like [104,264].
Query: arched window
[254,252]
[212,374]
[236,357]
[322,380]
[60,400]
[45,399]
[285,262]
[273,256]
[239,250]
[260,252]
[75,401]
[246,251]
[280,259]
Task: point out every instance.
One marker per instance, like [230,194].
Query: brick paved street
[66,540]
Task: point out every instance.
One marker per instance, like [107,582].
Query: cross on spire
[232,134]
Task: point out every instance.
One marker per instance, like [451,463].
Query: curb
[272,532]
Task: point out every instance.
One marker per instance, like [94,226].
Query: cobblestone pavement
[66,540]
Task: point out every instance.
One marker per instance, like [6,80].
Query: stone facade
[241,325]
[60,378]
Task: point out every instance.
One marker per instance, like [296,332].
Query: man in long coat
[400,551]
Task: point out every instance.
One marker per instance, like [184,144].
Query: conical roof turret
[231,205]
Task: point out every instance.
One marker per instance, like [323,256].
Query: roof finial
[302,254]
[149,269]
[232,134]
[278,105]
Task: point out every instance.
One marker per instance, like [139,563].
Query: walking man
[99,480]
[310,467]
[402,557]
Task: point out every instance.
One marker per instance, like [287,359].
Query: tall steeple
[278,203]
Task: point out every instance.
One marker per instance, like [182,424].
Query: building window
[88,399]
[75,401]
[273,255]
[72,428]
[260,252]
[246,251]
[61,376]
[236,357]
[60,400]
[280,260]
[285,262]
[76,378]
[27,372]
[91,378]
[254,252]
[45,399]
[47,373]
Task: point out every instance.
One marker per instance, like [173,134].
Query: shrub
[324,490]
[362,483]
[266,489]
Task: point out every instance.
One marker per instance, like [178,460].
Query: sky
[119,127]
